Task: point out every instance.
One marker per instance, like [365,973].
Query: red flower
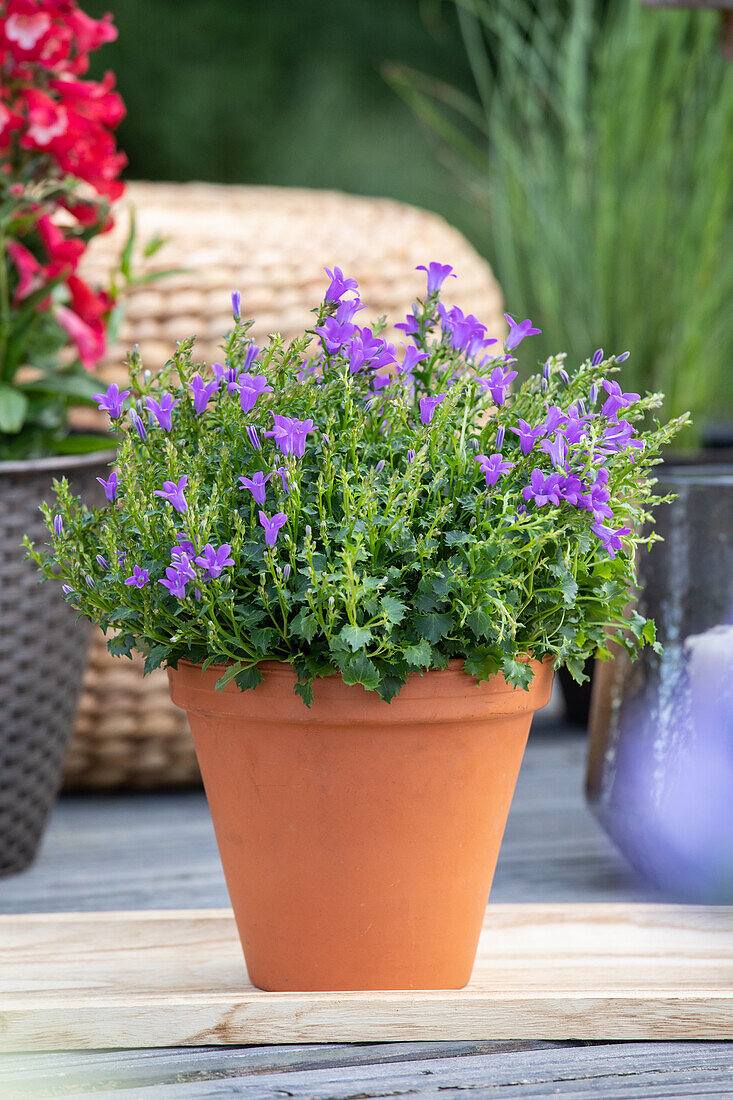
[89,339]
[63,252]
[90,306]
[47,120]
[92,100]
[32,274]
[91,33]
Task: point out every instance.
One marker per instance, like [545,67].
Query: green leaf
[360,670]
[420,655]
[126,255]
[569,589]
[433,626]
[79,386]
[13,409]
[305,625]
[480,622]
[517,673]
[482,664]
[394,609]
[355,637]
[248,678]
[155,657]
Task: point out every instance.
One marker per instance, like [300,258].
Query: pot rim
[57,462]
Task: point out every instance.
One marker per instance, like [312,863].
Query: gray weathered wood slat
[158,851]
[616,1070]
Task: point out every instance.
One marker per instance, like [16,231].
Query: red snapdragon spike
[91,99]
[46,120]
[91,306]
[63,252]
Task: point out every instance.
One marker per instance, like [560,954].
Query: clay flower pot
[359,838]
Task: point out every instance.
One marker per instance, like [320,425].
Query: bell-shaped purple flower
[528,436]
[202,392]
[493,467]
[250,388]
[112,401]
[617,399]
[236,304]
[254,437]
[139,425]
[610,539]
[173,492]
[58,526]
[437,274]
[272,526]
[542,489]
[290,434]
[175,582]
[213,561]
[162,410]
[256,485]
[110,485]
[556,448]
[139,578]
[497,383]
[518,330]
[428,405]
[412,357]
[339,284]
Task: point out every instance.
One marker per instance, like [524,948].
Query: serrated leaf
[355,637]
[305,625]
[569,589]
[394,609]
[480,622]
[420,655]
[248,678]
[517,673]
[433,626]
[156,657]
[482,665]
[360,670]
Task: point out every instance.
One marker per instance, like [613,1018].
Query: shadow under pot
[660,771]
[43,651]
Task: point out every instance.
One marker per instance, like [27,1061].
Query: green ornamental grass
[345,508]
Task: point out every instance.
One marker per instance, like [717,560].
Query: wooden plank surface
[542,972]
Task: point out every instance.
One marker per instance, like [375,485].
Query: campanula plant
[344,505]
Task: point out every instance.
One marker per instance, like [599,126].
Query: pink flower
[89,341]
[32,274]
[26,29]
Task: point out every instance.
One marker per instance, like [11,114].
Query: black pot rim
[57,462]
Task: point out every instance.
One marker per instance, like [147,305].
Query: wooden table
[158,851]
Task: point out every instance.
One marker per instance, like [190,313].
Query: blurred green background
[584,146]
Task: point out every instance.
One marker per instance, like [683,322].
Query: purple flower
[175,582]
[162,410]
[428,405]
[339,284]
[89,581]
[410,326]
[623,356]
[410,456]
[272,526]
[497,383]
[411,358]
[347,311]
[213,561]
[282,473]
[572,490]
[597,357]
[464,333]
[253,437]
[228,375]
[138,425]
[110,486]
[256,485]
[290,434]
[250,388]
[237,304]
[546,371]
[541,489]
[616,399]
[610,539]
[556,448]
[173,493]
[500,437]
[58,526]
[437,274]
[67,590]
[366,349]
[335,334]
[617,437]
[286,571]
[139,578]
[518,330]
[111,401]
[202,392]
[528,436]
[493,466]
[184,548]
[554,418]
[102,562]
[593,394]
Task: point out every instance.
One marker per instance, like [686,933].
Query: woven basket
[272,244]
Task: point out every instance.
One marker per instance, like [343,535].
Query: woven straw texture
[43,650]
[272,244]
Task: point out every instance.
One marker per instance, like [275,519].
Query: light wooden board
[177,978]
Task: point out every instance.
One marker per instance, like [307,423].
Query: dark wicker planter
[43,651]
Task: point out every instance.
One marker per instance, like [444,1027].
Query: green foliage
[395,556]
[601,150]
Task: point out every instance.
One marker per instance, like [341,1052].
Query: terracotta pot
[359,838]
